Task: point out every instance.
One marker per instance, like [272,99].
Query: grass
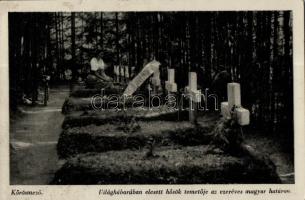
[170,165]
[108,137]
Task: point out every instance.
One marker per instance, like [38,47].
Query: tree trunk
[73,45]
[102,32]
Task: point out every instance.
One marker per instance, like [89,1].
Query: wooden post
[194,96]
[234,98]
[156,82]
[192,85]
[170,84]
[171,75]
[241,114]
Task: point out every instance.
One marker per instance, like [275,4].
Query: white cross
[191,89]
[170,84]
[149,69]
[234,99]
[193,94]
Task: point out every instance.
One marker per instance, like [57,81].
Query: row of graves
[123,135]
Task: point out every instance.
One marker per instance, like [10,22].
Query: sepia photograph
[163,97]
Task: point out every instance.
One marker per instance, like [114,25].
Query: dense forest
[255,48]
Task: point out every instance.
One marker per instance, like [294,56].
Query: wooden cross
[232,108]
[149,69]
[170,84]
[194,96]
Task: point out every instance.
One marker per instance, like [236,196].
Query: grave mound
[89,92]
[130,135]
[77,119]
[167,165]
[73,104]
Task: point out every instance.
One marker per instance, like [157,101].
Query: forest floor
[34,135]
[270,145]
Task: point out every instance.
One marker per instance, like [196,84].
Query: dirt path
[33,137]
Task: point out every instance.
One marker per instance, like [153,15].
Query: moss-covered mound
[130,135]
[77,119]
[87,92]
[77,86]
[72,104]
[168,165]
[89,103]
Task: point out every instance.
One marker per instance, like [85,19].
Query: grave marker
[225,111]
[145,73]
[170,84]
[233,95]
[241,114]
[194,96]
[156,82]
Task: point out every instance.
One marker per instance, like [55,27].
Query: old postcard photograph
[156,99]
